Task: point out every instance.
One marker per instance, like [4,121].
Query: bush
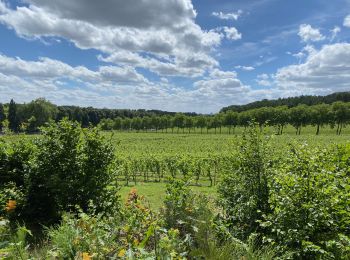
[65,168]
[244,193]
[309,199]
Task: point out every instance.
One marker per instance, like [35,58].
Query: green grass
[154,193]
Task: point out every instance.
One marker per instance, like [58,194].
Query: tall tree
[320,115]
[12,117]
[2,116]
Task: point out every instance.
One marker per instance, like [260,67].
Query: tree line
[30,117]
[336,115]
[291,102]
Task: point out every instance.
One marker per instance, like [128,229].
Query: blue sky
[178,55]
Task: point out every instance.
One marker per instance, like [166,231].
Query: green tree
[299,116]
[201,122]
[230,120]
[189,123]
[2,116]
[179,121]
[13,117]
[42,110]
[320,116]
[341,115]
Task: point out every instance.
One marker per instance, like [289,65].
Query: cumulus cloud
[160,28]
[309,34]
[325,70]
[230,33]
[228,16]
[264,80]
[45,69]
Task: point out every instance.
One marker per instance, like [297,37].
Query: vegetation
[291,102]
[277,196]
[330,112]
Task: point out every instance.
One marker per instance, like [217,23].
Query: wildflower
[11,205]
[122,253]
[86,256]
[136,242]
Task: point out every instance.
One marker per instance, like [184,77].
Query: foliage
[309,201]
[244,193]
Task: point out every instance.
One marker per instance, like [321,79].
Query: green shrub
[71,168]
[244,193]
[309,199]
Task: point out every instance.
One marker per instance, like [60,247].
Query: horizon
[175,56]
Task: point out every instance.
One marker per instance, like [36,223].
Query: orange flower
[11,205]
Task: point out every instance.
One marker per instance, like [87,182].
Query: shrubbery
[299,205]
[65,168]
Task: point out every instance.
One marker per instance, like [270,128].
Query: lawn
[154,193]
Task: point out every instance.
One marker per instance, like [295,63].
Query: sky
[174,55]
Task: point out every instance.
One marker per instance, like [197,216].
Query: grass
[154,193]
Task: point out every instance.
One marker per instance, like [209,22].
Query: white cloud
[163,28]
[346,22]
[264,80]
[48,69]
[245,68]
[324,71]
[335,32]
[309,34]
[228,16]
[232,33]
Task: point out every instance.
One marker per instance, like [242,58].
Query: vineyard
[248,195]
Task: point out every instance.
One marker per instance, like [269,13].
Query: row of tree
[336,115]
[30,117]
[291,102]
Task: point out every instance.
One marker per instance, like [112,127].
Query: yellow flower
[86,256]
[136,242]
[11,205]
[122,253]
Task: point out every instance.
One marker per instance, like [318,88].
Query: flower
[122,253]
[11,205]
[86,256]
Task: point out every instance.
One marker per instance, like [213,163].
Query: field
[195,145]
[165,188]
[140,147]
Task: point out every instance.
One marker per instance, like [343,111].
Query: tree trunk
[318,130]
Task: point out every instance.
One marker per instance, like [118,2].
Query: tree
[2,116]
[320,115]
[12,117]
[42,110]
[299,117]
[179,121]
[230,120]
[201,122]
[189,123]
[280,118]
[341,113]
